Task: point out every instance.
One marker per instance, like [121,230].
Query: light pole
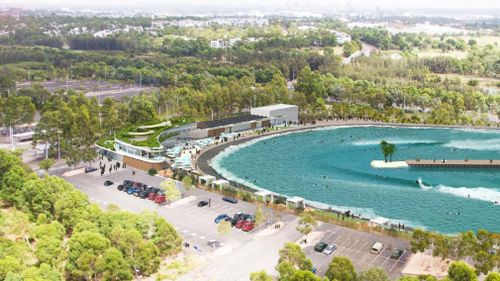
[58,145]
[11,133]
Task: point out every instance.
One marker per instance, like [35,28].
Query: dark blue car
[222,217]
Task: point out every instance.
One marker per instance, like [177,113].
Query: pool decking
[439,163]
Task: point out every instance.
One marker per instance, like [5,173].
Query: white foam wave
[479,193]
[490,144]
[422,185]
[394,141]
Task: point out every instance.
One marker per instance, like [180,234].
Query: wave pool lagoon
[332,166]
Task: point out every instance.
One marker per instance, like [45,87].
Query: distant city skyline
[250,4]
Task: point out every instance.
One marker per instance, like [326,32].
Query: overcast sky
[355,4]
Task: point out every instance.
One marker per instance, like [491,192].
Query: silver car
[329,249]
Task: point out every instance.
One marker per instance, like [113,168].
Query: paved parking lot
[255,251]
[195,224]
[356,246]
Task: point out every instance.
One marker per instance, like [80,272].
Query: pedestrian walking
[110,168]
[133,173]
[209,202]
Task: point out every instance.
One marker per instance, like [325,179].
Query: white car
[329,249]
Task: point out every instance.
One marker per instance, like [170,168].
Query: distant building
[341,37]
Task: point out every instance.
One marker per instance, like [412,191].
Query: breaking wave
[490,144]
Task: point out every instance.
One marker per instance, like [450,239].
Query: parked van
[377,248]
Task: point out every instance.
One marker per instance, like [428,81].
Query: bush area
[293,265]
[50,231]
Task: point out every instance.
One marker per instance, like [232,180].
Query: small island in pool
[393,164]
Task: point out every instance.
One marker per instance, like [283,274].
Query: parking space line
[386,259]
[362,247]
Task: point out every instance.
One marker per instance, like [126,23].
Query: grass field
[431,53]
[483,82]
[484,40]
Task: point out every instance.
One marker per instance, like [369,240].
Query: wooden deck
[438,163]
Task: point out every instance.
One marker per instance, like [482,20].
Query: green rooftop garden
[145,135]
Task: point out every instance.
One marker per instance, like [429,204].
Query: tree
[384,146]
[260,276]
[50,251]
[259,215]
[114,266]
[304,275]
[16,110]
[171,190]
[306,223]
[493,276]
[373,274]
[341,269]
[9,264]
[224,228]
[86,249]
[482,262]
[46,164]
[419,242]
[460,271]
[467,245]
[79,146]
[292,253]
[111,121]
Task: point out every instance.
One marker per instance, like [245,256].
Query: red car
[239,223]
[247,226]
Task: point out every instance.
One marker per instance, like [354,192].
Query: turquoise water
[332,166]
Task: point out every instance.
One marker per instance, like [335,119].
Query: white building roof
[295,199]
[276,106]
[220,182]
[264,193]
[207,177]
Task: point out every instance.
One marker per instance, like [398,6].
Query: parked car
[230,200]
[239,223]
[90,169]
[202,203]
[153,193]
[144,193]
[377,247]
[222,217]
[396,254]
[131,190]
[108,183]
[240,216]
[160,198]
[247,226]
[320,247]
[329,249]
[214,243]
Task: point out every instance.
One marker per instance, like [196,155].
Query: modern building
[128,149]
[279,114]
[216,128]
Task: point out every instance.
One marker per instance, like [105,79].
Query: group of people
[112,166]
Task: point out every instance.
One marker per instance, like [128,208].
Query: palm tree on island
[388,149]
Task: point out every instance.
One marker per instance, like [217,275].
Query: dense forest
[50,231]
